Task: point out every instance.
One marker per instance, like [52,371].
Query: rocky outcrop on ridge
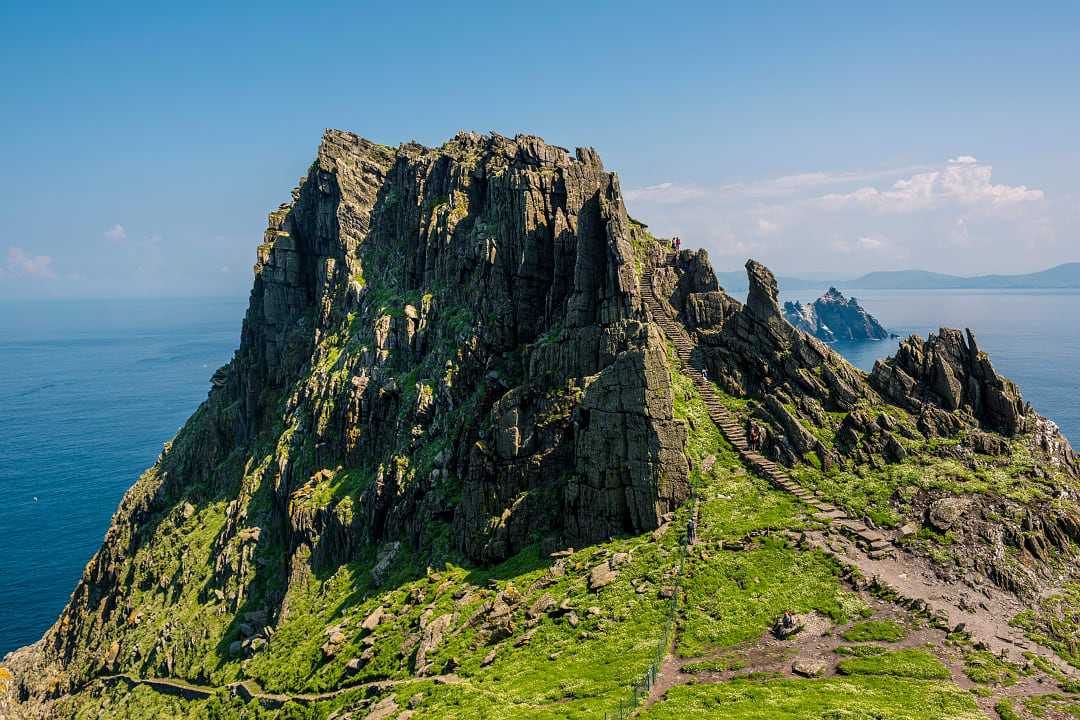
[794,380]
[950,372]
[833,317]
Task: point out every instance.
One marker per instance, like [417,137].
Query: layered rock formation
[833,317]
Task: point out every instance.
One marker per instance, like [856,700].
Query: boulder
[947,513]
[601,576]
[383,710]
[373,619]
[810,668]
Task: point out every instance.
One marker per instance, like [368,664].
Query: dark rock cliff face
[833,317]
[444,350]
[752,351]
[517,258]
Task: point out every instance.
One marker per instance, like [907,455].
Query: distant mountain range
[1065,276]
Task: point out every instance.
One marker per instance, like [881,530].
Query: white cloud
[787,185]
[666,193]
[863,243]
[777,187]
[116,233]
[20,263]
[963,181]
[948,217]
[767,227]
[869,242]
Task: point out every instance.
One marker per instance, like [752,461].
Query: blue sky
[144,146]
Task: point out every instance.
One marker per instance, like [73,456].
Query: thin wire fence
[640,690]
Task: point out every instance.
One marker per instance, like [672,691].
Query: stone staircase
[876,543]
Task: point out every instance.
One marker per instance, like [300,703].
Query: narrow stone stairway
[874,541]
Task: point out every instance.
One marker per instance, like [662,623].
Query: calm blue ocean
[90,390]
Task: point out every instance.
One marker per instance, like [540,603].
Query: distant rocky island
[834,317]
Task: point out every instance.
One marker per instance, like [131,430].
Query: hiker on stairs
[755,437]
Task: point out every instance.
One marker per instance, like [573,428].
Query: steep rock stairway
[875,542]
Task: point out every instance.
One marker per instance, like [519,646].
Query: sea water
[89,392]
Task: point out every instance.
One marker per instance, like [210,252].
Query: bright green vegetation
[907,663]
[1055,622]
[836,698]
[559,671]
[1005,711]
[330,486]
[1052,705]
[641,240]
[875,630]
[737,596]
[592,662]
[861,650]
[983,666]
[141,703]
[728,662]
[873,490]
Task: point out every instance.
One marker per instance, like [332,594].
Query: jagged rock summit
[834,317]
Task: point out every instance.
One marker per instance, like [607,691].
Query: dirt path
[250,690]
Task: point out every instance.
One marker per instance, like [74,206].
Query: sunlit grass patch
[875,630]
[907,663]
[854,698]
